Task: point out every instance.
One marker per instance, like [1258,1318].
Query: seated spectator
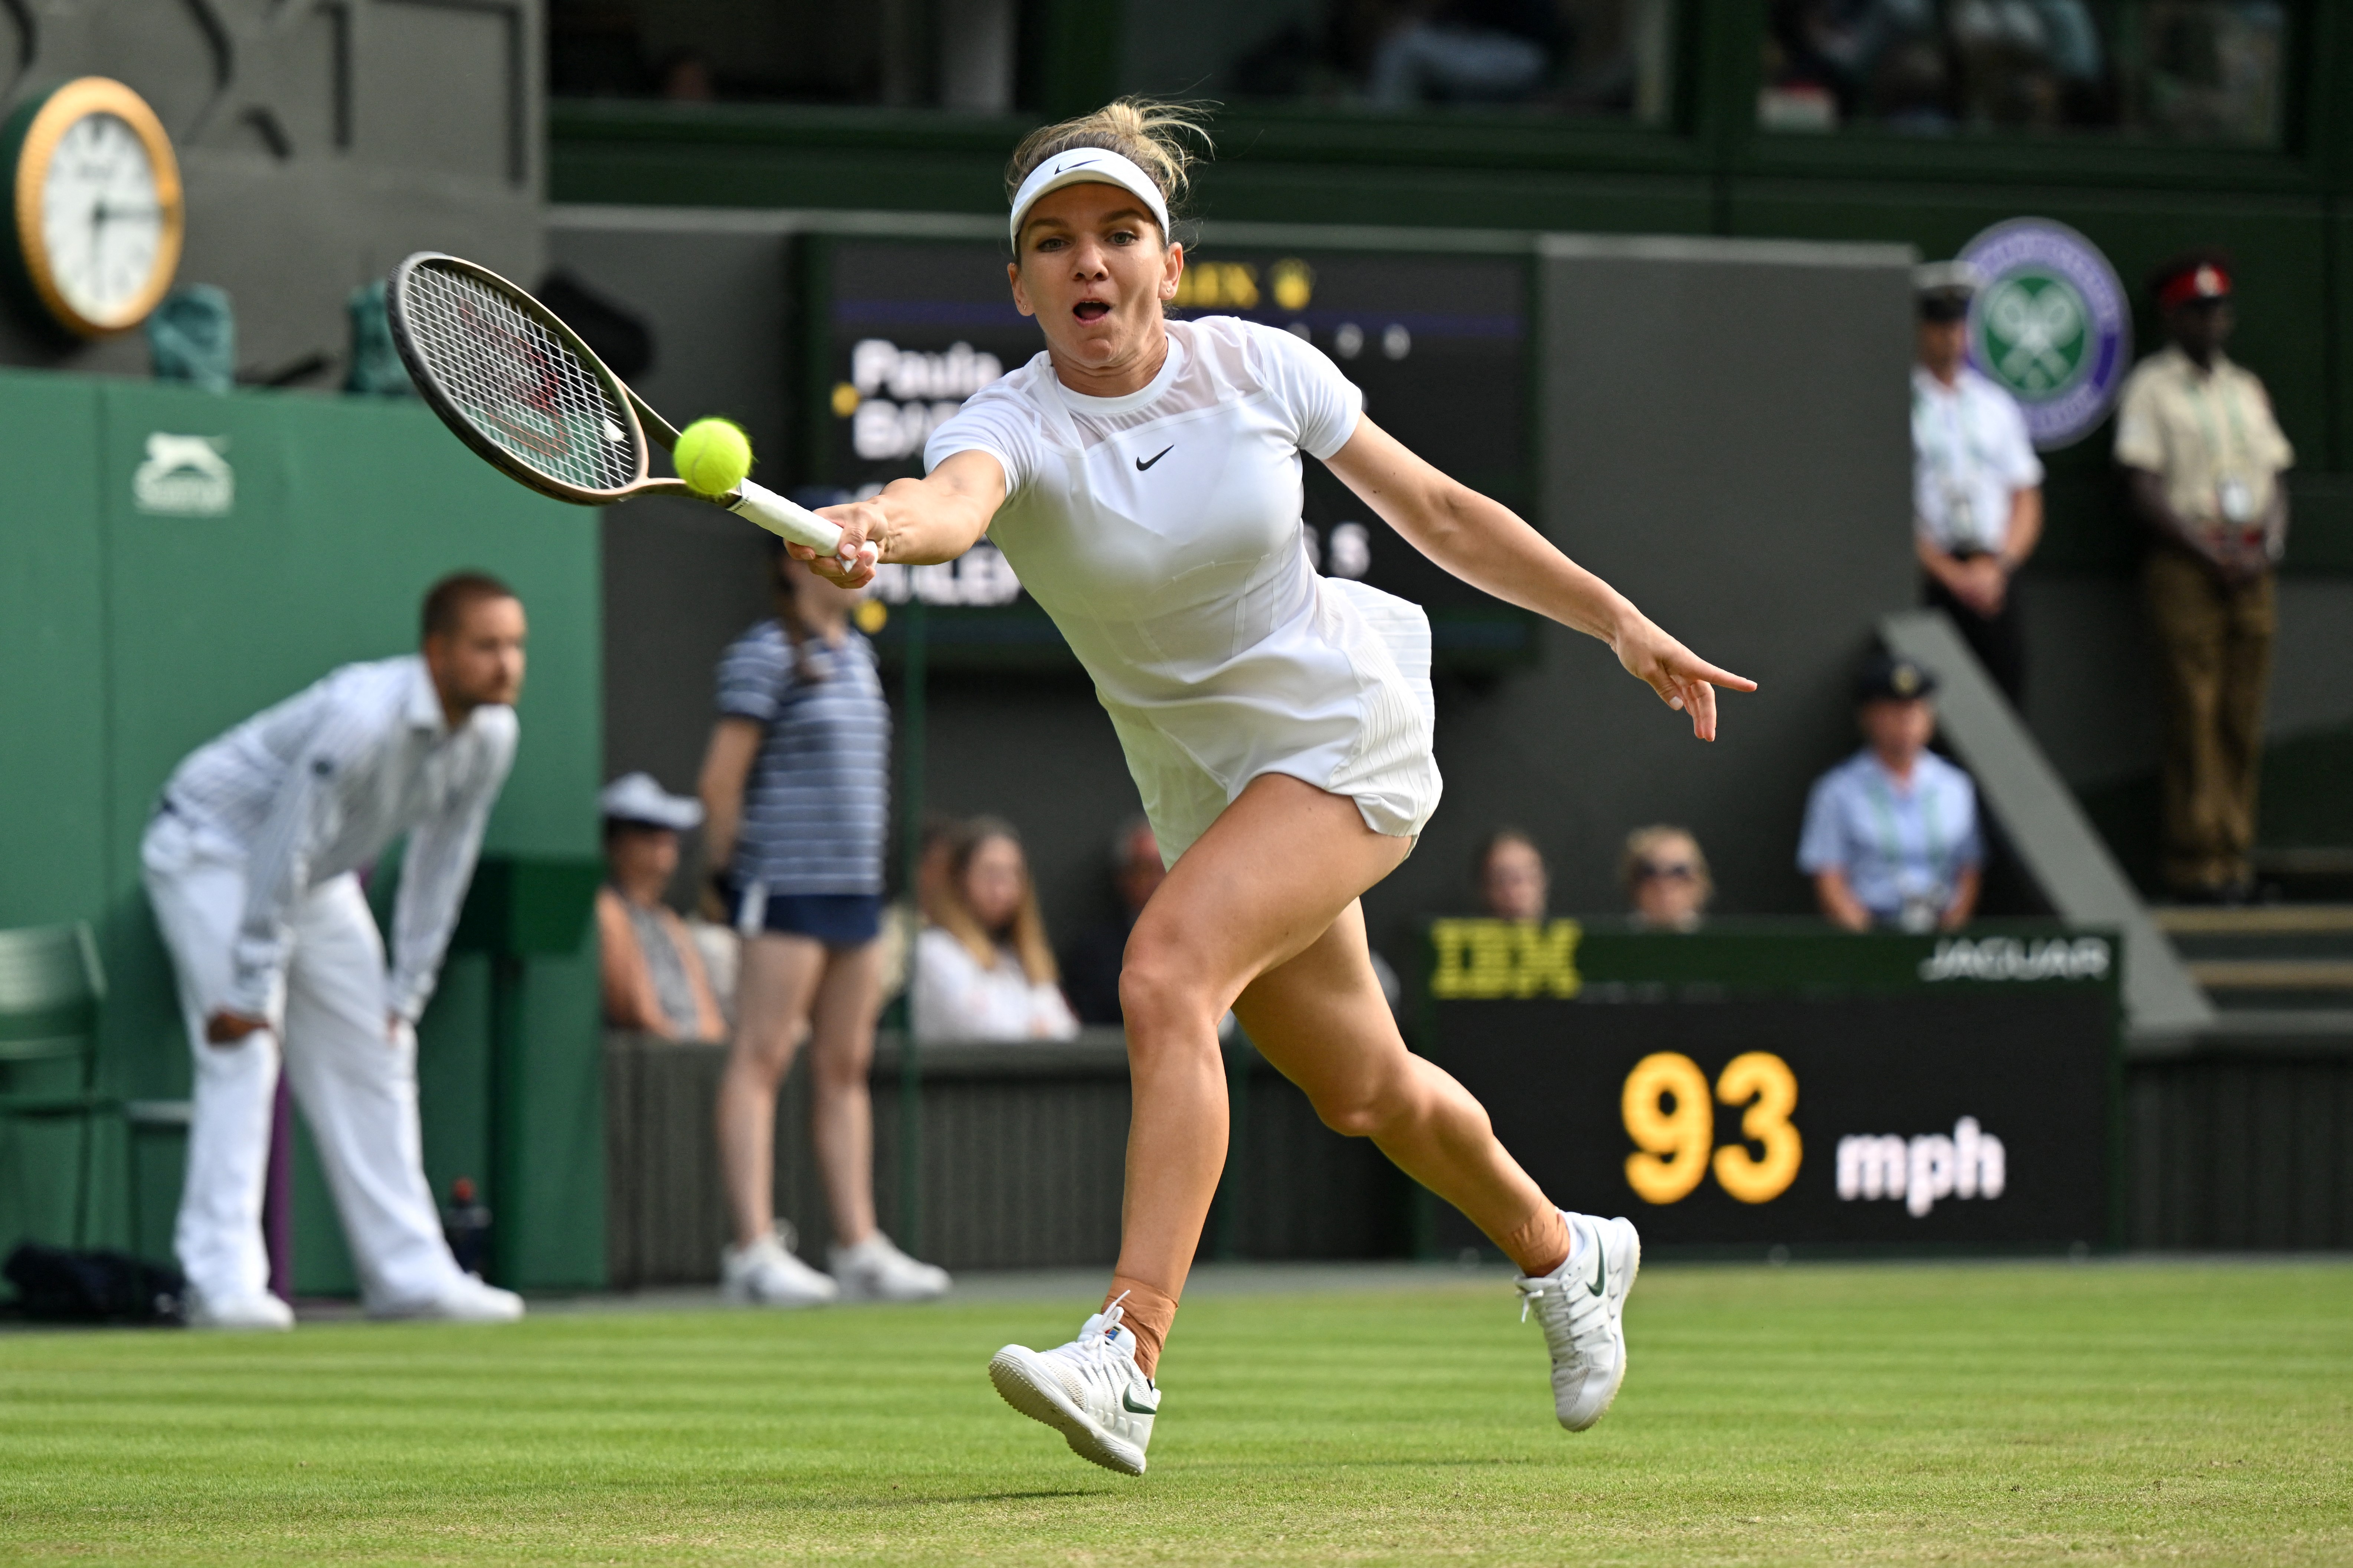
[985,971]
[1666,878]
[1091,964]
[654,978]
[1513,882]
[1891,835]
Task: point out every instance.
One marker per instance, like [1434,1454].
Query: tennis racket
[516,385]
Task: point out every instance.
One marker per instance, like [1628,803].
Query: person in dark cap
[1890,836]
[1977,485]
[2202,456]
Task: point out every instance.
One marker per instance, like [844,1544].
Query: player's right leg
[198,897]
[1277,867]
[1321,1021]
[774,992]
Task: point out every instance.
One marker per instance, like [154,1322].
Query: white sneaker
[766,1274]
[1582,1306]
[466,1301]
[259,1311]
[1087,1390]
[876,1270]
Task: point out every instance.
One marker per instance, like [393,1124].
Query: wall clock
[96,215]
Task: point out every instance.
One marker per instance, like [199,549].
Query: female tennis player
[1143,476]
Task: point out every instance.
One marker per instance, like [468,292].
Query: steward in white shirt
[1977,485]
[251,864]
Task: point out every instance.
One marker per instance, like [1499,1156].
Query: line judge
[251,864]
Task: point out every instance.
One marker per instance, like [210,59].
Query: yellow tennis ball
[712,456]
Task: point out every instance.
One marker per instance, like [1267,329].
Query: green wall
[127,638]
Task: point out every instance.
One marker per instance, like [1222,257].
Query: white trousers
[355,1079]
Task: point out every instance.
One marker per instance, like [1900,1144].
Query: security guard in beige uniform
[2203,458]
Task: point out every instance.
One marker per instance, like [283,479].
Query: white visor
[1080,166]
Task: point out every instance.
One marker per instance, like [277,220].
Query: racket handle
[794,524]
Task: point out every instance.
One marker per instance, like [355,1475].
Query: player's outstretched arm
[1484,542]
[917,522]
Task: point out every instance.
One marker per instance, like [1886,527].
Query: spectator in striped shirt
[252,865]
[797,801]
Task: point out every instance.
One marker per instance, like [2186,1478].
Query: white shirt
[1161,531]
[958,999]
[1970,454]
[320,784]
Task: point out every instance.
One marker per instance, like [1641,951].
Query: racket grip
[794,524]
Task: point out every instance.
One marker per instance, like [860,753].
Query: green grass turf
[1985,1413]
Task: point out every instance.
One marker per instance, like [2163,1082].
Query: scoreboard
[901,330]
[1792,1086]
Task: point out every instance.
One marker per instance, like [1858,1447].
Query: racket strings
[517,383]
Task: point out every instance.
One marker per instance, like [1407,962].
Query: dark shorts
[836,919]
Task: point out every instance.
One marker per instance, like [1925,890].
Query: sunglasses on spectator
[1673,871]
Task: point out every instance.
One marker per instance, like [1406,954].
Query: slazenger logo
[184,476]
[2006,958]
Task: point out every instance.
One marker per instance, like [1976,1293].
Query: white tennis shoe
[766,1274]
[1582,1307]
[876,1270]
[261,1311]
[466,1301]
[1090,1391]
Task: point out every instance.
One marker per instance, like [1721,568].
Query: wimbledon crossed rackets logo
[2031,328]
[2048,325]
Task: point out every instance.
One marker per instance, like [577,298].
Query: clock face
[101,222]
[95,228]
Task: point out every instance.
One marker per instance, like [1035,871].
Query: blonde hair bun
[1158,138]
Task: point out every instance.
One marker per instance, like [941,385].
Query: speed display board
[902,331]
[1729,1090]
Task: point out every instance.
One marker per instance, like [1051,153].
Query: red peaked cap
[2200,280]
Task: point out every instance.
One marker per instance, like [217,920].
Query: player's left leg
[1321,1021]
[354,1071]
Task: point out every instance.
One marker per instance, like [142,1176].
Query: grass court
[2137,1411]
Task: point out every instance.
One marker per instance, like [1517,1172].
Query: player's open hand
[864,525]
[1684,680]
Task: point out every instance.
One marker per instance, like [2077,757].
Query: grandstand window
[1605,58]
[2207,71]
[951,53]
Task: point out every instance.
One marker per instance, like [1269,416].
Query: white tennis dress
[1162,531]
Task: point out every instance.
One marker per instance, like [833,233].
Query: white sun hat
[636,797]
[1087,166]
